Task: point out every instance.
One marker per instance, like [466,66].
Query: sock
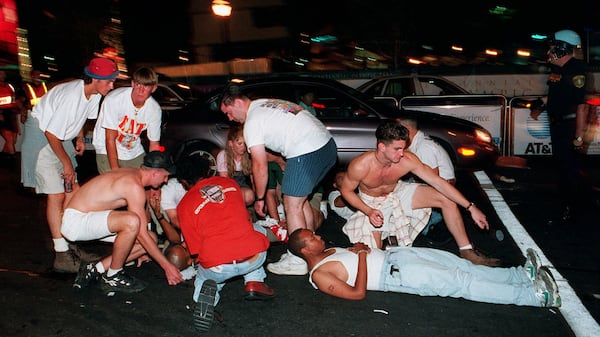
[60,245]
[466,247]
[100,267]
[112,272]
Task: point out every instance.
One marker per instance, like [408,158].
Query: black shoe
[205,307]
[87,275]
[121,282]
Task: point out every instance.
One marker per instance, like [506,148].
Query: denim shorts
[304,172]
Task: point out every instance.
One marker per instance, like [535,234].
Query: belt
[241,260]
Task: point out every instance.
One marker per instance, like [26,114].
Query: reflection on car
[350,116]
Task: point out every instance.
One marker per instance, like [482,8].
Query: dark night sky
[69,29]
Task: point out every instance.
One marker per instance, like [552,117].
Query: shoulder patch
[579,81]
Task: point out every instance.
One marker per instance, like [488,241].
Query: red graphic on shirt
[129,132]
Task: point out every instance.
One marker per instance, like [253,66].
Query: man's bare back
[111,190]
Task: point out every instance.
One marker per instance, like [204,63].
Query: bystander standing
[53,137]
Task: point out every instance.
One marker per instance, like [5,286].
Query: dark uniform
[566,90]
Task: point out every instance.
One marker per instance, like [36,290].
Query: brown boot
[84,255]
[66,262]
[477,258]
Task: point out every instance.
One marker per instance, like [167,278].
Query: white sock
[112,272]
[100,267]
[60,245]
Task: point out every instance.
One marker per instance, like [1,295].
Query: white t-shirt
[64,110]
[171,194]
[119,113]
[284,127]
[432,154]
[345,212]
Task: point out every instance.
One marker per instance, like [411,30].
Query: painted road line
[575,313]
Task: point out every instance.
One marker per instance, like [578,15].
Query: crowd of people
[270,184]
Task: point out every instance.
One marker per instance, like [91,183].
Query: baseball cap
[101,69]
[160,160]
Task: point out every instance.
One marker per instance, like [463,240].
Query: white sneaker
[288,264]
[532,264]
[547,289]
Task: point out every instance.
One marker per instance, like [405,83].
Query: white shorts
[48,171]
[79,226]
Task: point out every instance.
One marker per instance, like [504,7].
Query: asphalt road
[37,302]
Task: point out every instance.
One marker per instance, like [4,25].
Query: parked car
[439,95]
[348,114]
[400,86]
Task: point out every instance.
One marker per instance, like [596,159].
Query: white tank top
[350,261]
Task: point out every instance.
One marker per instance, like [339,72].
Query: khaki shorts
[102,162]
[48,171]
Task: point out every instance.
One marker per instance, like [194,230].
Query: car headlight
[483,136]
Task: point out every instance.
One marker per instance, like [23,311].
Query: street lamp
[221,8]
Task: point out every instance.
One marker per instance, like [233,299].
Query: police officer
[567,111]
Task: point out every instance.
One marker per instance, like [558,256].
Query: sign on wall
[532,136]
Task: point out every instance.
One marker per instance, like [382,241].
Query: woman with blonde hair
[234,162]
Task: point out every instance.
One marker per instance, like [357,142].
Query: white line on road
[575,313]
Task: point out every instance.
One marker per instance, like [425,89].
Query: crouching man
[218,229]
[95,212]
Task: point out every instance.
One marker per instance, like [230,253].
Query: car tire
[199,147]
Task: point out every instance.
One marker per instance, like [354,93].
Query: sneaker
[477,257]
[66,262]
[205,307]
[288,264]
[532,264]
[121,282]
[87,275]
[547,289]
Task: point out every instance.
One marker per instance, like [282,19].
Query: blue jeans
[433,272]
[251,271]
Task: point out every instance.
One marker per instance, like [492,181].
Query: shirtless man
[387,206]
[95,213]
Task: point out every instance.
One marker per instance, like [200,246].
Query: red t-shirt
[216,224]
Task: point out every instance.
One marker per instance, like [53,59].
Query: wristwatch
[578,139]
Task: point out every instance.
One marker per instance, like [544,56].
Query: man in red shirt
[217,228]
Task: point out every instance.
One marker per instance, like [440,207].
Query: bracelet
[362,251]
[259,199]
[470,205]
[161,218]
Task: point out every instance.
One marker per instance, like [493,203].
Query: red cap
[102,69]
